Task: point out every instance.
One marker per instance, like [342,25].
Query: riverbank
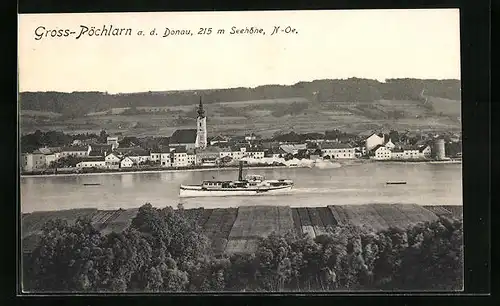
[156,170]
[352,162]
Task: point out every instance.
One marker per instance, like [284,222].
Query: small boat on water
[91,184]
[250,185]
[396,183]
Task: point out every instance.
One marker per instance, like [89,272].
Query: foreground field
[236,230]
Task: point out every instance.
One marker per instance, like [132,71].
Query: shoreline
[153,171]
[228,207]
[227,168]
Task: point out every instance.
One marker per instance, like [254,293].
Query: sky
[375,44]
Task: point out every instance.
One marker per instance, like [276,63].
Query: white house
[235,153]
[179,159]
[425,151]
[155,156]
[373,141]
[165,160]
[92,162]
[112,160]
[191,159]
[209,153]
[33,161]
[160,155]
[381,153]
[255,153]
[389,144]
[397,153]
[411,152]
[139,159]
[76,151]
[337,150]
[113,141]
[126,162]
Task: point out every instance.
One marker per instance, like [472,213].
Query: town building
[201,128]
[92,162]
[374,140]
[161,156]
[52,154]
[184,138]
[397,153]
[255,153]
[235,152]
[219,139]
[100,149]
[380,152]
[191,157]
[165,158]
[439,151]
[411,152]
[113,141]
[139,156]
[178,157]
[33,161]
[112,161]
[210,154]
[389,144]
[337,150]
[425,151]
[75,151]
[126,162]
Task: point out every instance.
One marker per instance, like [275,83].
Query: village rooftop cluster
[191,148]
[181,152]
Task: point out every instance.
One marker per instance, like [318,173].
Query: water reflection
[427,184]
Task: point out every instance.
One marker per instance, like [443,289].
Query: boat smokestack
[240,171]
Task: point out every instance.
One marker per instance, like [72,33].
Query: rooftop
[180,149]
[183,136]
[93,159]
[75,149]
[335,145]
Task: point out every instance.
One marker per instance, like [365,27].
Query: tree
[165,250]
[65,257]
[103,136]
[394,136]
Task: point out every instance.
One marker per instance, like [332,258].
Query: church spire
[201,111]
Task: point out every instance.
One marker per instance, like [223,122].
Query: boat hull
[197,191]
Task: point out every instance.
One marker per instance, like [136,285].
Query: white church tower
[201,128]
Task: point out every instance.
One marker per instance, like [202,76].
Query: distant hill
[78,104]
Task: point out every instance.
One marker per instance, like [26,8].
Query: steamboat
[248,186]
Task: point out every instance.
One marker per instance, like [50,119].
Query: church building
[201,128]
[192,138]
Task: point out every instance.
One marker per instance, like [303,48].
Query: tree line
[166,250]
[347,90]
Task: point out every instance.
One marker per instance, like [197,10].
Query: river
[427,184]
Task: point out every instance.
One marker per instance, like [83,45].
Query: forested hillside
[77,104]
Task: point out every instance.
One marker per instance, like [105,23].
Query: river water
[427,184]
